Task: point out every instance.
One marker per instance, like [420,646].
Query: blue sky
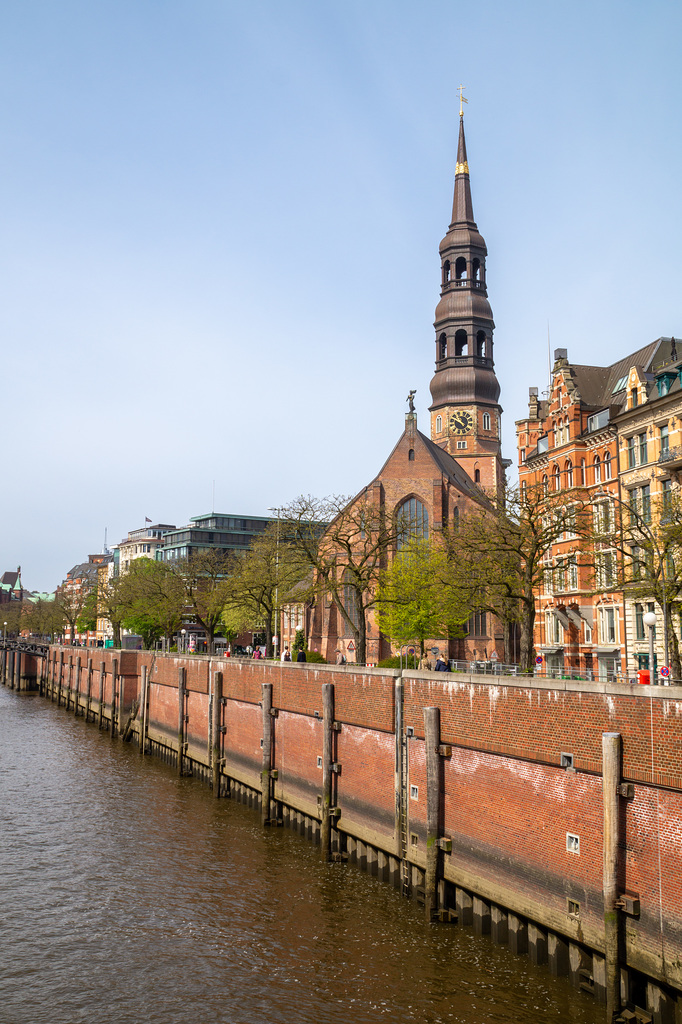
[219,249]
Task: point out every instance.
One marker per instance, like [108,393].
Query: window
[639,622]
[597,420]
[461,343]
[442,346]
[350,604]
[439,424]
[643,458]
[597,470]
[665,439]
[413,521]
[557,478]
[461,445]
[554,631]
[410,455]
[620,384]
[633,398]
[605,563]
[569,473]
[477,625]
[583,473]
[477,476]
[486,421]
[608,626]
[603,517]
[631,453]
[446,272]
[666,495]
[572,564]
[461,268]
[545,484]
[568,431]
[607,466]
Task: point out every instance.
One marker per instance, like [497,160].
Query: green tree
[416,600]
[87,618]
[150,600]
[264,579]
[205,585]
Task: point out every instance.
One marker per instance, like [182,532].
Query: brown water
[129,895]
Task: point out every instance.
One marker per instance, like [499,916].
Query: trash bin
[643,677]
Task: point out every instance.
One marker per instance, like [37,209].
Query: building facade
[608,440]
[215,531]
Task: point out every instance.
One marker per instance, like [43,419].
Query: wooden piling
[114,688]
[100,710]
[182,679]
[217,724]
[77,686]
[88,694]
[3,665]
[266,763]
[327,772]
[433,801]
[144,704]
[610,781]
[60,678]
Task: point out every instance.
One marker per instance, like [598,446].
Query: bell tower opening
[461,344]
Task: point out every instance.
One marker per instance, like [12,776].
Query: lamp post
[649,620]
[648,533]
[183,633]
[277,622]
[4,633]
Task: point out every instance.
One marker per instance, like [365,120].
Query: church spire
[462,207]
[465,410]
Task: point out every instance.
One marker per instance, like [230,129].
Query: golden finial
[462,99]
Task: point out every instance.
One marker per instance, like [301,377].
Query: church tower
[465,411]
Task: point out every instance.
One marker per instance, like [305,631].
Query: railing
[465,282]
[671,455]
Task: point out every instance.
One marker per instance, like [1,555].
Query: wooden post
[114,687]
[100,711]
[60,678]
[88,699]
[144,697]
[182,678]
[3,666]
[610,781]
[10,672]
[69,683]
[121,702]
[266,764]
[433,799]
[327,772]
[217,730]
[77,687]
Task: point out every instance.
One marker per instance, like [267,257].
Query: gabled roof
[596,383]
[11,579]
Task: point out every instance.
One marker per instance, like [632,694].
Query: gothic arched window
[412,519]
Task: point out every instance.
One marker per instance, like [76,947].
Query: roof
[11,579]
[595,384]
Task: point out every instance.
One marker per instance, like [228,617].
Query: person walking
[301,655]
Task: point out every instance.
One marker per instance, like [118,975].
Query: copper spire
[462,207]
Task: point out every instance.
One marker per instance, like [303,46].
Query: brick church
[438,478]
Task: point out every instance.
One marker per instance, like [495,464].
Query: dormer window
[633,398]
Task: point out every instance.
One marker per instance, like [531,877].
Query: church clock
[461,422]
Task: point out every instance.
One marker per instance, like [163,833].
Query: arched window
[412,521]
[477,476]
[461,268]
[545,484]
[568,431]
[476,269]
[569,473]
[410,455]
[597,470]
[439,424]
[556,473]
[480,344]
[583,472]
[442,346]
[486,421]
[607,466]
[350,603]
[455,519]
[446,272]
[461,343]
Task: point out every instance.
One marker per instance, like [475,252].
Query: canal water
[129,895]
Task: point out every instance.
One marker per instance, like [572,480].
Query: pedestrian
[285,654]
[301,655]
[441,666]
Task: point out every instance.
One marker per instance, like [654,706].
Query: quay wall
[519,772]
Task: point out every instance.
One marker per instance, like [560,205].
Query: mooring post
[100,710]
[69,683]
[60,678]
[77,687]
[88,698]
[12,663]
[327,769]
[144,699]
[114,688]
[266,764]
[182,676]
[120,704]
[610,781]
[216,719]
[433,799]
[3,665]
[18,657]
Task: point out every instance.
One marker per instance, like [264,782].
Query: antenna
[549,360]
[104,549]
[213,499]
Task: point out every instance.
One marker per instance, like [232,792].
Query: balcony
[671,458]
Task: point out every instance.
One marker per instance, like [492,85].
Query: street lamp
[648,533]
[649,620]
[183,633]
[4,633]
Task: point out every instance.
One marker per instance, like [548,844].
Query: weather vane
[462,99]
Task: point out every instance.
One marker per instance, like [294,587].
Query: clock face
[461,422]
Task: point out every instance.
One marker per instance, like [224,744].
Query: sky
[219,250]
